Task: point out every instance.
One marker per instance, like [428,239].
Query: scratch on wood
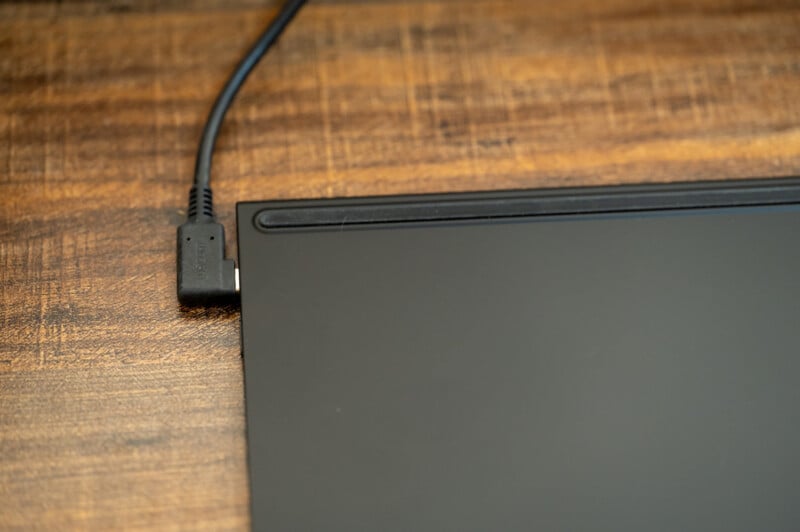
[408,69]
[696,112]
[325,111]
[467,81]
[429,71]
[602,65]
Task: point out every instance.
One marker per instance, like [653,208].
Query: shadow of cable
[221,312]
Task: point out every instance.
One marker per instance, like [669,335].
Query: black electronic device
[617,358]
[620,358]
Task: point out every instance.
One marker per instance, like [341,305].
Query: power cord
[205,276]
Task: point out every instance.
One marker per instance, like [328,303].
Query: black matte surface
[621,374]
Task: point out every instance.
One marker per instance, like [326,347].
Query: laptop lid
[593,359]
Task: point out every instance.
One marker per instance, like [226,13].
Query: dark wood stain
[118,409]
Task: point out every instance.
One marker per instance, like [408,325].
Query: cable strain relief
[201,205]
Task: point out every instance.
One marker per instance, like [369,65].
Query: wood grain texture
[119,410]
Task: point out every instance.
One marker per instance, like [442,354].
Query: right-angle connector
[205,276]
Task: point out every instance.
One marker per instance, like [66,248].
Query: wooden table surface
[118,409]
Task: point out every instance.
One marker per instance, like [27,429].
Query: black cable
[201,192]
[205,276]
